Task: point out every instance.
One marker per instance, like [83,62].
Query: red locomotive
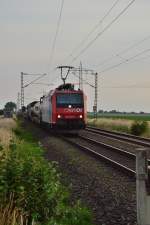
[62,108]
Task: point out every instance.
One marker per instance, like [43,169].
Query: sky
[27,31]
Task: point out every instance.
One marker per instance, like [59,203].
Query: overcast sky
[27,29]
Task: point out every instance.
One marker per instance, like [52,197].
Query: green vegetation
[10,106]
[119,125]
[136,127]
[128,116]
[139,128]
[30,187]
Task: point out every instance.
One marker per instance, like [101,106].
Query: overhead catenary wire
[127,86]
[85,81]
[119,64]
[56,33]
[33,81]
[120,53]
[115,3]
[102,32]
[34,74]
[93,29]
[124,61]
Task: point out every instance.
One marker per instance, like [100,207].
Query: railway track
[121,159]
[145,142]
[116,157]
[108,193]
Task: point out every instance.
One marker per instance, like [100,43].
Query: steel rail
[115,149]
[98,155]
[130,172]
[121,136]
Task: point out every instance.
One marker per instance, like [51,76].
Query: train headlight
[81,116]
[59,116]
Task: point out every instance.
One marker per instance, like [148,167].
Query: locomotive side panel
[85,109]
[53,114]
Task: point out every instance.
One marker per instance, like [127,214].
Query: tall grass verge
[140,128]
[30,188]
[111,124]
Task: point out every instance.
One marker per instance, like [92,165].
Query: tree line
[118,112]
[9,106]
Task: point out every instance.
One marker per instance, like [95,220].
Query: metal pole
[22,91]
[96,95]
[80,77]
[18,101]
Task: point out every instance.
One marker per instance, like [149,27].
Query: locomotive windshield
[75,100]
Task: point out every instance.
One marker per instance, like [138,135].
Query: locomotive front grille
[70,124]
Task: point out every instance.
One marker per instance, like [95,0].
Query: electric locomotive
[64,108]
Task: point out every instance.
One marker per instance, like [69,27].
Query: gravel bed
[109,194]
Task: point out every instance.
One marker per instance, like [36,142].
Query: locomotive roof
[64,88]
[64,91]
[68,91]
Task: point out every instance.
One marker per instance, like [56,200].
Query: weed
[30,188]
[139,128]
[1,147]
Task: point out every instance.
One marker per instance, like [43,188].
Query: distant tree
[113,111]
[142,112]
[1,112]
[10,106]
[100,111]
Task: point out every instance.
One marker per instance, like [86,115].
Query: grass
[127,116]
[6,134]
[111,124]
[116,124]
[30,187]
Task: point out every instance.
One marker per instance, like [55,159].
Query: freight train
[8,113]
[63,108]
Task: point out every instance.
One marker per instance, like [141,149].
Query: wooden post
[143,200]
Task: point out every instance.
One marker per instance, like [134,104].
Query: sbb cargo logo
[72,110]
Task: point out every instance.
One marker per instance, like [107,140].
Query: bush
[138,128]
[30,188]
